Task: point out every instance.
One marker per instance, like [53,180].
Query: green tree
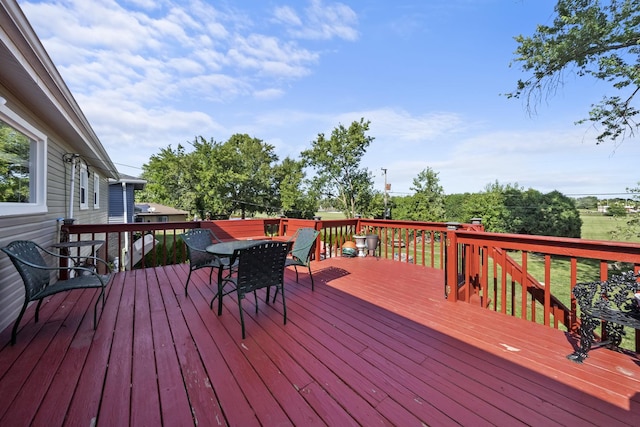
[558,216]
[429,195]
[336,162]
[400,207]
[294,200]
[245,175]
[427,202]
[589,202]
[166,177]
[631,227]
[215,177]
[454,207]
[617,210]
[511,209]
[591,38]
[488,205]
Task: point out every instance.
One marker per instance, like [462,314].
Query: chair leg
[255,297]
[311,277]
[284,304]
[295,267]
[14,332]
[95,308]
[187,284]
[241,315]
[38,310]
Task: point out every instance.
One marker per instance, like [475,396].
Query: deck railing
[531,277]
[504,272]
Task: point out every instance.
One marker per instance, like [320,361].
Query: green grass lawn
[596,226]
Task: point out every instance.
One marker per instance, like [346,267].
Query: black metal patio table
[226,249]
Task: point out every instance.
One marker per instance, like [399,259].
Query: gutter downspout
[125,250]
[72,185]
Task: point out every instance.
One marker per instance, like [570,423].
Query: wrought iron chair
[28,259]
[259,266]
[197,240]
[303,243]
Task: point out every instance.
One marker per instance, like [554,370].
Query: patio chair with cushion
[259,266]
[28,259]
[303,244]
[197,240]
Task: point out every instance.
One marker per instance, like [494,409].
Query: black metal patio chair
[259,266]
[197,240]
[27,257]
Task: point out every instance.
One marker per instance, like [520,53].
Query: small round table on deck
[77,259]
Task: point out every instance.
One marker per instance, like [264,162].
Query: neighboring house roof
[138,183]
[155,209]
[28,73]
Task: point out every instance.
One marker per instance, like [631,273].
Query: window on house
[96,191]
[23,168]
[84,187]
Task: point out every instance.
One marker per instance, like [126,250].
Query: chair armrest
[73,258]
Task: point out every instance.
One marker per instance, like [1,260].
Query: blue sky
[428,75]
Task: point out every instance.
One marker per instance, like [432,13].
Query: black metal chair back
[260,266]
[36,274]
[31,266]
[196,241]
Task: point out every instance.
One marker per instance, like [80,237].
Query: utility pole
[384,170]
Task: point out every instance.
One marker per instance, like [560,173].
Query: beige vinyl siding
[34,94]
[42,228]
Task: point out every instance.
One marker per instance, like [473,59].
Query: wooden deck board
[374,344]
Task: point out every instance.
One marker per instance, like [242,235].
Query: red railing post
[451,263]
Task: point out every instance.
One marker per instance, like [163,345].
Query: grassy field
[596,226]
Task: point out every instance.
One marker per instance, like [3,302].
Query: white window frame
[37,167]
[83,188]
[96,191]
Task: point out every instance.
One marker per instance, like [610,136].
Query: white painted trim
[39,161]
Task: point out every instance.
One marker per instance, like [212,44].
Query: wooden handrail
[469,254]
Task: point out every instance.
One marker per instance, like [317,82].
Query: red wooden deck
[375,344]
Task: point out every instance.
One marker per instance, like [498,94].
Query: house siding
[116,205]
[32,89]
[43,228]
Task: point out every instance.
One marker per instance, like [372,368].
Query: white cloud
[320,22]
[287,15]
[268,93]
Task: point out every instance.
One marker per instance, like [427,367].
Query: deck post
[451,262]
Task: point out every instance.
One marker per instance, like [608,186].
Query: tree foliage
[165,175]
[511,209]
[297,200]
[427,202]
[631,227]
[250,185]
[588,202]
[14,165]
[336,161]
[593,38]
[220,178]
[617,210]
